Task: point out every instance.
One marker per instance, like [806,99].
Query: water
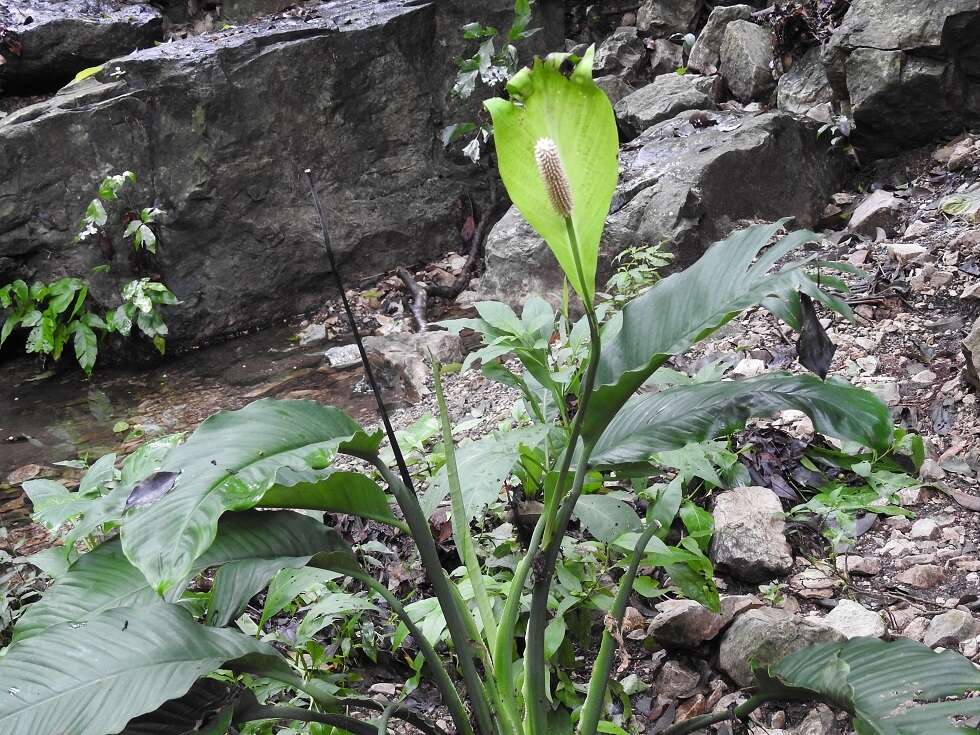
[66,415]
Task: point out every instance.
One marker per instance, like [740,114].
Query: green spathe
[574,113]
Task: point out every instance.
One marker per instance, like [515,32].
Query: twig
[418,297]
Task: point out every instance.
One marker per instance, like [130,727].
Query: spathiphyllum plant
[125,640]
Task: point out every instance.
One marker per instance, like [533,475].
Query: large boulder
[706,53]
[910,71]
[664,98]
[622,53]
[685,185]
[219,130]
[746,55]
[56,39]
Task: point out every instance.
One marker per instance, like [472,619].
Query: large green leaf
[686,307]
[92,678]
[483,466]
[605,517]
[574,113]
[330,490]
[895,687]
[229,463]
[657,422]
[239,581]
[104,579]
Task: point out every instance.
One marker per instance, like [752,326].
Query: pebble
[951,628]
[925,528]
[921,576]
[853,620]
[863,565]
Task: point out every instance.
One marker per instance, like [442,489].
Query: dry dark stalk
[419,292]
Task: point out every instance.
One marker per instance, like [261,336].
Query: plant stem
[443,682]
[454,613]
[385,717]
[461,526]
[592,709]
[557,515]
[344,722]
[703,721]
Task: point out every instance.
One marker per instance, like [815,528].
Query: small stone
[814,584]
[23,474]
[951,628]
[688,624]
[906,252]
[917,229]
[879,209]
[386,689]
[866,566]
[972,291]
[924,377]
[931,471]
[767,635]
[868,364]
[913,496]
[676,680]
[819,720]
[313,334]
[693,707]
[921,576]
[343,356]
[852,620]
[749,541]
[916,629]
[971,351]
[924,528]
[887,390]
[749,367]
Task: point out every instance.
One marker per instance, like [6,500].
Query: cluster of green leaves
[494,62]
[54,313]
[57,312]
[139,644]
[139,227]
[638,269]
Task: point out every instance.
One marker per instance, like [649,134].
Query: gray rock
[819,720]
[766,636]
[622,54]
[664,98]
[924,529]
[805,89]
[676,680]
[853,620]
[343,356]
[676,188]
[904,71]
[60,38]
[706,55]
[879,209]
[749,541]
[971,351]
[401,361]
[661,18]
[312,334]
[746,53]
[866,566]
[688,624]
[219,129]
[666,57]
[950,629]
[615,87]
[921,576]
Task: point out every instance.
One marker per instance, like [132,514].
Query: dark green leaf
[671,419]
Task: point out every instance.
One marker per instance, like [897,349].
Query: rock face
[685,186]
[219,130]
[59,38]
[910,75]
[706,53]
[664,98]
[766,636]
[749,541]
[746,53]
[805,90]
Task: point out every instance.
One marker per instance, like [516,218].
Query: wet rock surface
[56,39]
